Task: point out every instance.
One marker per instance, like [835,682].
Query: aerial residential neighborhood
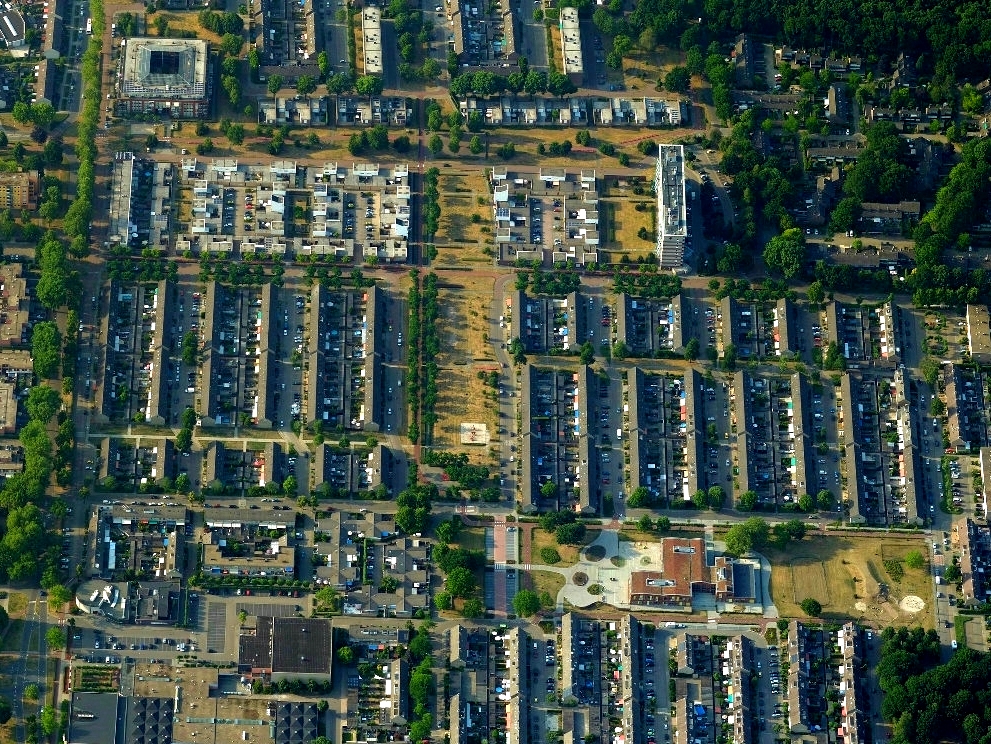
[506,373]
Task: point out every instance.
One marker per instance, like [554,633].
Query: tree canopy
[785,253]
[747,536]
[526,603]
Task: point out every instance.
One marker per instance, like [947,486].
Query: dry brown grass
[546,581]
[17,604]
[808,579]
[461,241]
[542,539]
[465,351]
[842,572]
[184,22]
[624,222]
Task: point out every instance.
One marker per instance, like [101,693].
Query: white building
[672,223]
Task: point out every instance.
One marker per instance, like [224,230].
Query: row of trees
[413,356]
[755,533]
[483,83]
[456,467]
[430,347]
[77,218]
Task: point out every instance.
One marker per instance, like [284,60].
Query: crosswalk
[526,567]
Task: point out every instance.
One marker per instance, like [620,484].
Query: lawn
[848,577]
[472,538]
[546,581]
[624,223]
[542,539]
[17,604]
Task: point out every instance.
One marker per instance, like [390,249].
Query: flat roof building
[979,333]
[165,75]
[571,45]
[672,222]
[19,190]
[371,31]
[287,647]
[12,29]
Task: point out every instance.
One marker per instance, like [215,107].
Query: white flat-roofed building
[672,223]
[571,45]
[371,31]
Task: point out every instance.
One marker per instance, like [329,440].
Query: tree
[914,559]
[305,85]
[235,134]
[447,531]
[747,536]
[42,403]
[824,499]
[461,582]
[368,85]
[692,350]
[748,501]
[678,80]
[275,84]
[845,214]
[570,534]
[700,499]
[48,718]
[443,600]
[472,608]
[559,84]
[6,711]
[58,596]
[639,498]
[323,64]
[46,348]
[435,145]
[716,497]
[811,607]
[953,574]
[930,367]
[645,523]
[31,691]
[786,252]
[806,503]
[816,294]
[475,145]
[526,603]
[55,638]
[586,354]
[21,112]
[184,440]
[230,44]
[289,486]
[420,644]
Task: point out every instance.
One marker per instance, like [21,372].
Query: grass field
[847,576]
[546,581]
[17,604]
[459,196]
[624,222]
[542,539]
[462,396]
[472,538]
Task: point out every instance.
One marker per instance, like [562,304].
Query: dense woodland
[951,39]
[929,703]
